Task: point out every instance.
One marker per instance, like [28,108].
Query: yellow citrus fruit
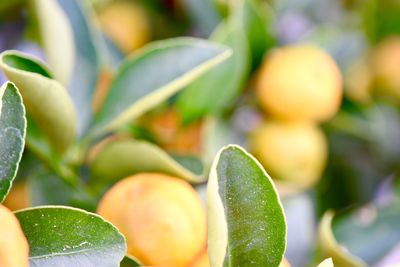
[18,197]
[294,152]
[300,82]
[386,65]
[162,218]
[126,23]
[202,260]
[14,248]
[284,263]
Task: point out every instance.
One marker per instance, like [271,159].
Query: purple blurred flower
[291,26]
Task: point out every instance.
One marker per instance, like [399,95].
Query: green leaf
[121,158]
[57,38]
[45,99]
[65,236]
[246,223]
[129,261]
[88,59]
[157,72]
[331,248]
[369,233]
[257,19]
[12,135]
[194,102]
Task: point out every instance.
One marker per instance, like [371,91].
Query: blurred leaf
[257,20]
[64,236]
[129,261]
[326,263]
[57,38]
[12,135]
[245,217]
[48,189]
[204,15]
[87,59]
[46,100]
[371,232]
[160,70]
[223,84]
[330,248]
[122,158]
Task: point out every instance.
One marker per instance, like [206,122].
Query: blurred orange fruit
[126,23]
[300,82]
[386,65]
[171,135]
[293,152]
[358,81]
[162,218]
[18,197]
[14,248]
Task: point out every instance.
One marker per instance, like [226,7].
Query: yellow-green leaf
[330,248]
[45,99]
[122,158]
[57,38]
[246,223]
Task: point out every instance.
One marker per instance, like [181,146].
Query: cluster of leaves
[68,121]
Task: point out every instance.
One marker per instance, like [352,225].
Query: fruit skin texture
[386,65]
[202,260]
[300,82]
[162,218]
[14,248]
[126,23]
[293,152]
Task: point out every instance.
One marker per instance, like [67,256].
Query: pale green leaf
[64,237]
[12,135]
[45,99]
[154,74]
[246,223]
[57,38]
[121,158]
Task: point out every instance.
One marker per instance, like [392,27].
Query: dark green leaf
[64,237]
[12,135]
[246,222]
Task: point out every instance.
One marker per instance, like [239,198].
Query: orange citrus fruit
[162,218]
[300,82]
[294,152]
[14,248]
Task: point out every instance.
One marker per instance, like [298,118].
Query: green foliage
[245,217]
[12,135]
[64,236]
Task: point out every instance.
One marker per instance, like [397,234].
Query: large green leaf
[157,72]
[121,158]
[369,233]
[57,38]
[246,223]
[45,99]
[329,247]
[12,135]
[64,237]
[194,102]
[89,58]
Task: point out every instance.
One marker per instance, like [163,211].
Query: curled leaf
[45,99]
